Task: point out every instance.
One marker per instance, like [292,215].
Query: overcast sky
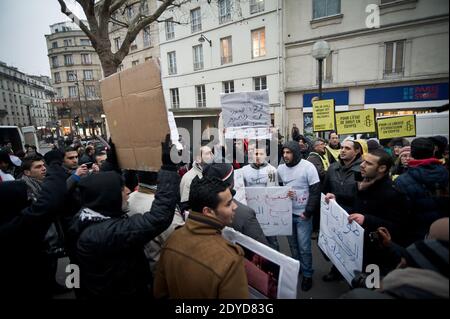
[23,24]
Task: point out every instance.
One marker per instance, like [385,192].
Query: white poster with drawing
[270,274]
[245,109]
[273,209]
[341,241]
[239,187]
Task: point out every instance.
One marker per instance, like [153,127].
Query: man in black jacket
[109,246]
[378,204]
[23,225]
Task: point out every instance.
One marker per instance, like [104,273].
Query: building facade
[214,47]
[25,99]
[397,66]
[76,71]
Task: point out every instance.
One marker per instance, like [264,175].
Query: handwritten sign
[355,122]
[273,209]
[251,133]
[396,126]
[341,241]
[245,109]
[239,187]
[323,115]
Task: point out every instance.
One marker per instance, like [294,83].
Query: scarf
[424,162]
[91,215]
[34,187]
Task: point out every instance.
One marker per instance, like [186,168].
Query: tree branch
[116,5]
[121,23]
[76,20]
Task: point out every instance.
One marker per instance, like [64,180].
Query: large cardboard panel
[110,87]
[141,78]
[118,121]
[126,157]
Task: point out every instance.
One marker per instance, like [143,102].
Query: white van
[30,136]
[432,124]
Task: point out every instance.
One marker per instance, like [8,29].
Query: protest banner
[270,274]
[340,240]
[251,133]
[323,116]
[246,109]
[396,126]
[239,187]
[273,209]
[134,105]
[356,122]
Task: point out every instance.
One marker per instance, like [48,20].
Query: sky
[23,26]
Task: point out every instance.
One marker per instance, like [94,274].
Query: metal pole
[321,134]
[91,129]
[81,109]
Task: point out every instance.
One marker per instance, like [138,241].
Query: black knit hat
[429,254]
[223,171]
[422,148]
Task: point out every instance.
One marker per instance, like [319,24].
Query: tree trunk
[108,65]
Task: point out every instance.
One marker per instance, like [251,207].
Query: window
[90,91]
[88,74]
[145,8]
[259,43]
[68,59]
[133,45]
[200,95]
[20,99]
[59,92]
[226,50]
[174,98]
[55,62]
[172,60]
[394,57]
[4,97]
[147,37]
[68,42]
[86,58]
[57,77]
[130,13]
[256,6]
[260,83]
[196,20]
[228,86]
[325,8]
[135,62]
[71,76]
[72,91]
[117,43]
[197,52]
[170,29]
[224,11]
[54,45]
[85,42]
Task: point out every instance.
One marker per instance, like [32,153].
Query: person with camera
[109,245]
[378,204]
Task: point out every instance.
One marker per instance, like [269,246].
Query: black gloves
[166,147]
[54,156]
[111,163]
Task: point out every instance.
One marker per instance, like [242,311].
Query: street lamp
[320,51]
[103,116]
[81,107]
[203,38]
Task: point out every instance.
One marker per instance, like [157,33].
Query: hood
[102,193]
[295,149]
[14,198]
[430,175]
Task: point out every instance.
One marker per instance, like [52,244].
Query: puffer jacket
[109,246]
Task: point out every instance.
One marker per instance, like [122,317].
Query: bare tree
[100,14]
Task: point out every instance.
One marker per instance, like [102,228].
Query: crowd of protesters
[136,234]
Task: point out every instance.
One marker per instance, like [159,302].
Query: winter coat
[109,246]
[197,262]
[23,226]
[245,221]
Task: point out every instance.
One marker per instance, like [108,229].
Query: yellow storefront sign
[323,115]
[397,126]
[356,122]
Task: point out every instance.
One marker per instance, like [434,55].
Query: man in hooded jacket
[109,246]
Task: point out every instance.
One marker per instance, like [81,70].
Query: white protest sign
[273,209]
[341,241]
[174,135]
[245,109]
[239,187]
[270,274]
[251,133]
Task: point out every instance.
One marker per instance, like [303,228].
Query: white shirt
[263,177]
[4,177]
[299,177]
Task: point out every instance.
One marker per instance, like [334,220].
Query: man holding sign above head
[302,176]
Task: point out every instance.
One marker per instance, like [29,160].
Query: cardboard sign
[134,105]
[396,126]
[356,122]
[245,109]
[323,116]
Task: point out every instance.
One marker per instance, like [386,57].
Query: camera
[89,164]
